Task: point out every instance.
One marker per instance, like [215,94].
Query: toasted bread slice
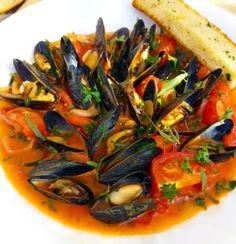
[196,33]
[6,5]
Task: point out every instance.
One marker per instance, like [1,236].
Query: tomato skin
[203,72]
[166,169]
[167,44]
[140,89]
[81,48]
[165,146]
[17,116]
[217,103]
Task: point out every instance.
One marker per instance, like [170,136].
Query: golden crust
[6,5]
[196,33]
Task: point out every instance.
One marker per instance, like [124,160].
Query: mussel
[210,134]
[55,169]
[76,75]
[126,200]
[64,190]
[178,109]
[102,129]
[53,120]
[34,91]
[134,157]
[46,63]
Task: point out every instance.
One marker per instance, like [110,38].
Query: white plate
[22,223]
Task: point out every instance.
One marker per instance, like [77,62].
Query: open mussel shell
[76,73]
[209,134]
[28,72]
[229,152]
[129,149]
[114,214]
[184,87]
[64,190]
[54,120]
[57,143]
[130,187]
[109,99]
[135,157]
[45,61]
[55,169]
[178,109]
[22,102]
[104,126]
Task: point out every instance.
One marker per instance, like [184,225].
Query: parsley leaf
[151,59]
[122,38]
[27,101]
[91,94]
[228,113]
[186,166]
[169,191]
[202,156]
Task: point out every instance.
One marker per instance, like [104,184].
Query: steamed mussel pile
[104,86]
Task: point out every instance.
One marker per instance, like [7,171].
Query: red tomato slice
[217,103]
[202,72]
[167,44]
[168,169]
[17,116]
[81,48]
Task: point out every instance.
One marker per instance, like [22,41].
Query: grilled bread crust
[6,5]
[212,47]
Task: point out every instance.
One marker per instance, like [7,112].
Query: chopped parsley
[202,156]
[91,94]
[169,191]
[151,59]
[221,94]
[93,164]
[228,113]
[203,178]
[27,101]
[223,185]
[154,44]
[53,151]
[122,38]
[186,166]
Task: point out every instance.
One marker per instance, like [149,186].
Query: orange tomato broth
[78,216]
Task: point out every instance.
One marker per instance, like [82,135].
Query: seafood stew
[128,124]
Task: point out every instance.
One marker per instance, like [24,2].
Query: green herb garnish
[169,191]
[33,127]
[203,178]
[202,156]
[91,94]
[170,84]
[186,166]
[27,101]
[228,113]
